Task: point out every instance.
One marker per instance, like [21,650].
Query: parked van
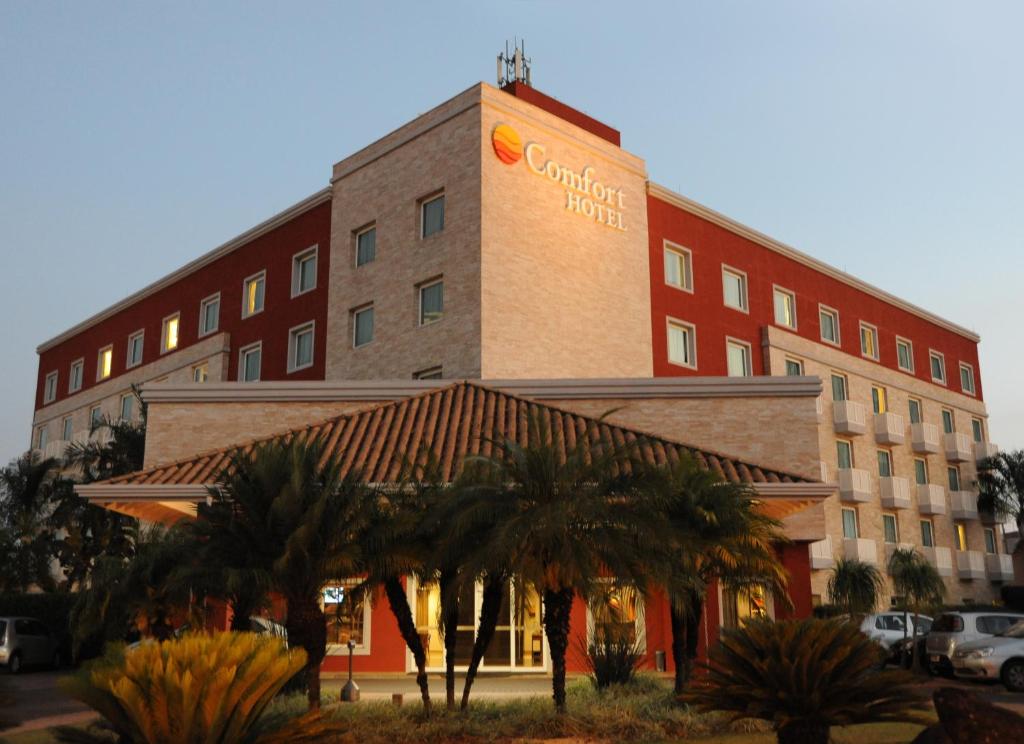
[25,641]
[953,628]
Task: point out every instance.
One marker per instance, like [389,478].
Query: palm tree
[919,583]
[26,539]
[1001,486]
[855,586]
[123,452]
[283,516]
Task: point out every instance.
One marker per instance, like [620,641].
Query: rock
[934,734]
[967,718]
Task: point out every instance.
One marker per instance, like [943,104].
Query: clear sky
[882,137]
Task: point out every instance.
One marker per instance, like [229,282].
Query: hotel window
[920,471]
[42,437]
[366,246]
[300,347]
[990,540]
[947,421]
[879,401]
[127,404]
[884,464]
[785,307]
[953,476]
[678,267]
[250,359]
[68,429]
[201,372]
[960,535]
[169,334]
[927,534]
[938,365]
[978,430]
[850,524]
[431,302]
[95,417]
[967,378]
[890,529]
[75,376]
[104,362]
[737,358]
[209,315]
[432,373]
[828,319]
[253,290]
[432,216]
[346,612]
[50,388]
[794,368]
[840,390]
[136,343]
[362,326]
[868,341]
[844,454]
[304,271]
[904,355]
[682,344]
[734,288]
[915,410]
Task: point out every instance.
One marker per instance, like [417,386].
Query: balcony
[821,554]
[854,484]
[931,499]
[970,564]
[984,450]
[999,566]
[940,558]
[963,504]
[891,548]
[924,439]
[860,549]
[895,492]
[958,447]
[889,428]
[849,417]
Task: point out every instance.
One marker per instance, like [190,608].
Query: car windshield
[1014,631]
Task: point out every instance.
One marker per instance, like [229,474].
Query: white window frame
[776,289]
[163,333]
[639,623]
[93,418]
[430,199]
[889,462]
[361,649]
[50,386]
[129,363]
[825,309]
[80,363]
[910,350]
[873,330]
[262,274]
[100,377]
[204,365]
[355,245]
[849,445]
[969,368]
[896,523]
[952,420]
[293,334]
[691,329]
[981,429]
[744,285]
[986,531]
[430,373]
[312,252]
[794,360]
[927,474]
[687,259]
[932,354]
[120,406]
[355,315]
[856,522]
[846,385]
[920,409]
[42,436]
[931,531]
[419,301]
[67,435]
[247,349]
[729,340]
[203,304]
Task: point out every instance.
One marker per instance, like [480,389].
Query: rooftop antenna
[514,65]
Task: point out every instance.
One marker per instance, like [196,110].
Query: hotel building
[503,253]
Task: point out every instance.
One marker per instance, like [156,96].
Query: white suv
[888,628]
[953,628]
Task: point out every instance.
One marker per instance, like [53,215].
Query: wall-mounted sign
[584,194]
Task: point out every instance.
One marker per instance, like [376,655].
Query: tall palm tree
[718,535]
[26,539]
[282,515]
[1001,486]
[919,583]
[855,586]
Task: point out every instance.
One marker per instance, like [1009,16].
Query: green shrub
[612,661]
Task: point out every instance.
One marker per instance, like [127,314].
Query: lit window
[68,432]
[209,315]
[136,343]
[104,362]
[432,217]
[95,416]
[850,524]
[366,246]
[884,464]
[346,612]
[938,365]
[990,540]
[967,378]
[794,368]
[678,267]
[829,321]
[927,535]
[785,308]
[840,391]
[737,358]
[201,372]
[869,341]
[42,437]
[953,475]
[431,302]
[905,355]
[844,454]
[249,360]
[947,421]
[682,344]
[879,400]
[960,533]
[50,388]
[304,271]
[615,613]
[915,410]
[169,336]
[300,347]
[75,376]
[978,430]
[362,326]
[921,471]
[734,289]
[890,529]
[253,290]
[127,404]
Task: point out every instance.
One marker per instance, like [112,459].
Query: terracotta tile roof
[462,419]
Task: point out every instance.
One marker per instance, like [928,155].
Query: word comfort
[584,195]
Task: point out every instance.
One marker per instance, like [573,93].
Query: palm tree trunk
[399,604]
[449,627]
[913,644]
[693,618]
[678,622]
[801,732]
[557,611]
[307,628]
[489,611]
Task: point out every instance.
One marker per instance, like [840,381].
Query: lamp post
[350,692]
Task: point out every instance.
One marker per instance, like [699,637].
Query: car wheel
[1013,675]
[14,663]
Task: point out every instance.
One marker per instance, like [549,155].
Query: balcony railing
[931,499]
[849,417]
[895,492]
[970,564]
[999,566]
[984,450]
[958,447]
[963,504]
[940,558]
[854,484]
[860,549]
[889,428]
[822,556]
[925,438]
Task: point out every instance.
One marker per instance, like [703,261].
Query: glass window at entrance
[743,605]
[615,614]
[345,613]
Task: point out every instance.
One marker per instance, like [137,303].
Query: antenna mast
[514,65]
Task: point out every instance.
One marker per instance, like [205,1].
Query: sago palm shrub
[804,676]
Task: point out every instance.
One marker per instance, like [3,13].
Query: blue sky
[882,137]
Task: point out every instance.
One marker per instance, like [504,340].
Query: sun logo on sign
[507,145]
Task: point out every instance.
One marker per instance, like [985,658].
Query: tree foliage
[1001,486]
[855,586]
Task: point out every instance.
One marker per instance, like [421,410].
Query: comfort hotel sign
[585,195]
